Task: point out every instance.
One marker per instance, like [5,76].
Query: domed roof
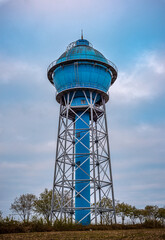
[81,49]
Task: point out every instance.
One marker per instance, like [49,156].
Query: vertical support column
[110,168]
[73,167]
[98,171]
[55,167]
[93,156]
[82,173]
[66,132]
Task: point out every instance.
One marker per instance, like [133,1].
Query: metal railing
[52,65]
[84,57]
[112,65]
[73,44]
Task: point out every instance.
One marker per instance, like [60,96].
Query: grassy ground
[138,234]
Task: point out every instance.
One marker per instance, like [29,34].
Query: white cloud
[142,81]
[140,186]
[137,153]
[28,129]
[12,165]
[30,168]
[68,6]
[16,71]
[138,137]
[27,148]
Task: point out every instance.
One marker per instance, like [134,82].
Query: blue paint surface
[84,72]
[80,99]
[82,160]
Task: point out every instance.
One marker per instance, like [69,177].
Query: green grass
[134,234]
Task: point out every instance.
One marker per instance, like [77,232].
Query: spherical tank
[82,66]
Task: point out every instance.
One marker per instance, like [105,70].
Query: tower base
[83,187]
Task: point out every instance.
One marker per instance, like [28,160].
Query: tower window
[82,101]
[78,163]
[78,134]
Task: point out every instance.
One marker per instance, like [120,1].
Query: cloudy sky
[130,33]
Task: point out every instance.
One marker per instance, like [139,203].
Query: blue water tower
[82,186]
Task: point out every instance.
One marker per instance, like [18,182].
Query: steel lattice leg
[73,155]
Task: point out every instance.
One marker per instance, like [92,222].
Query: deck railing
[84,57]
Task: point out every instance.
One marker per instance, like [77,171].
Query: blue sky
[130,33]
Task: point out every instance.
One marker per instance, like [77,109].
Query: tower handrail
[52,65]
[79,59]
[73,44]
[112,65]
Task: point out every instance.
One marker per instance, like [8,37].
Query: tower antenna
[82,34]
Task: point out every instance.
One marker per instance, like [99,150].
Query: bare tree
[151,212]
[161,215]
[133,214]
[42,205]
[123,210]
[1,216]
[141,215]
[106,216]
[23,206]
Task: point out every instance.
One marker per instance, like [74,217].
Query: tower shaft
[83,186]
[82,172]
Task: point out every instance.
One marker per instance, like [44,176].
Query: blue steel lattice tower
[82,186]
